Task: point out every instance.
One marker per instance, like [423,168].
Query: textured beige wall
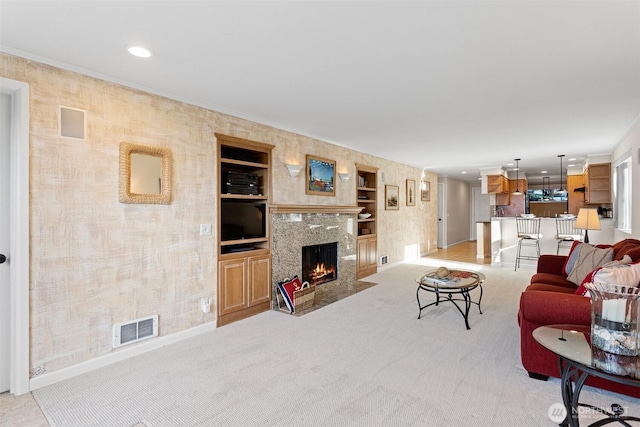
[96,262]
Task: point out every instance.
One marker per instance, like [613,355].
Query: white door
[5,139]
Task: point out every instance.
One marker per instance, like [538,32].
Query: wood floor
[462,252]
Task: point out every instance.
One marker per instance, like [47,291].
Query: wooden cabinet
[598,183]
[575,198]
[367,199]
[244,287]
[497,184]
[244,262]
[367,256]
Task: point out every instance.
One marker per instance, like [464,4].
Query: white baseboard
[116,356]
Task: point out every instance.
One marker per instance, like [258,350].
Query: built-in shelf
[244,260]
[367,195]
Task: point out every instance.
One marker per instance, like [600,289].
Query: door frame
[442,216]
[18,236]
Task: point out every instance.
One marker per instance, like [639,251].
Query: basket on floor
[303,299]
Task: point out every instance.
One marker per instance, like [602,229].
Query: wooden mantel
[278,209]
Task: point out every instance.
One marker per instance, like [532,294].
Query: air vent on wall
[384,259]
[135,331]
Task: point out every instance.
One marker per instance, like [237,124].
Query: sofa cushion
[589,258]
[550,288]
[553,279]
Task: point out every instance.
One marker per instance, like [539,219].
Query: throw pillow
[571,258]
[621,274]
[287,288]
[589,258]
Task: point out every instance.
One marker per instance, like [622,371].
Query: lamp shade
[588,219]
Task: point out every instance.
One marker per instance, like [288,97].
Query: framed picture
[425,190]
[321,176]
[411,192]
[391,193]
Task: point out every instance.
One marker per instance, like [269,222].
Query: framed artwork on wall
[425,190]
[321,176]
[411,192]
[391,193]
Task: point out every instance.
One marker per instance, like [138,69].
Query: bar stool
[528,235]
[566,233]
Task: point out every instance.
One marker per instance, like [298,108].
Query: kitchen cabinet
[575,193]
[497,184]
[598,184]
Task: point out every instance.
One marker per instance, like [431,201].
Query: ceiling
[449,86]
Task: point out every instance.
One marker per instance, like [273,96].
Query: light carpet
[362,361]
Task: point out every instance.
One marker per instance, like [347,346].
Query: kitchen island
[504,240]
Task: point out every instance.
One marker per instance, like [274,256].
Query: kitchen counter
[504,240]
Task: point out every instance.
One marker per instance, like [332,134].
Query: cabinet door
[371,254]
[232,289]
[259,279]
[367,257]
[495,184]
[363,254]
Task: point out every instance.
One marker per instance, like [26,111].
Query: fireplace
[294,227]
[320,263]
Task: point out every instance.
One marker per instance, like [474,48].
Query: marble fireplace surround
[295,226]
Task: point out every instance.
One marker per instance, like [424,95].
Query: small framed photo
[391,193]
[425,190]
[321,176]
[411,192]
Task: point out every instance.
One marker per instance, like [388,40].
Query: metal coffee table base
[464,292]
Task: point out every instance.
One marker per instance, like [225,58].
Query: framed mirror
[145,174]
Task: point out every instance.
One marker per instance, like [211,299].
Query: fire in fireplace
[320,263]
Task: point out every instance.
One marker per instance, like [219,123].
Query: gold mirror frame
[125,194]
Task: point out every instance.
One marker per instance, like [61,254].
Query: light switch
[205,229]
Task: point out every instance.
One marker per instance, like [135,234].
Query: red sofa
[551,299]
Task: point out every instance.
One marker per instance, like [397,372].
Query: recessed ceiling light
[139,51]
[463,172]
[543,171]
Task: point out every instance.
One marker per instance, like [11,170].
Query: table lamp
[587,220]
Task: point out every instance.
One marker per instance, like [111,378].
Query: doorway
[5,139]
[14,236]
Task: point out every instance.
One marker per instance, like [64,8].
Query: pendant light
[517,192]
[562,191]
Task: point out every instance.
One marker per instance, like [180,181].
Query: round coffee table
[458,283]
[578,360]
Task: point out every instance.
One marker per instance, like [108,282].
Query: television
[243,220]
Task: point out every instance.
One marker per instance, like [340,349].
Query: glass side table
[577,361]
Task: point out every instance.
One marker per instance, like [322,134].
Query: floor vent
[135,330]
[384,259]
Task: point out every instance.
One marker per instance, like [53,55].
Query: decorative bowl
[364,215]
